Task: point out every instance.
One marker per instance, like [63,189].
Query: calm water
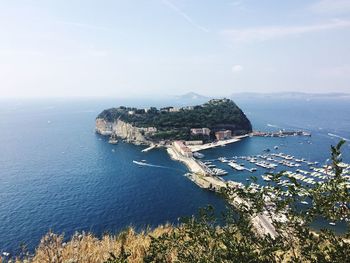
[56,173]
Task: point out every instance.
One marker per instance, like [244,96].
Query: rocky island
[184,132]
[215,120]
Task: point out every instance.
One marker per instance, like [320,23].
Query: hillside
[176,123]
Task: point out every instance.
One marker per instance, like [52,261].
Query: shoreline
[198,175]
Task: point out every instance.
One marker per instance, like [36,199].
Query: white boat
[219,172]
[266,177]
[236,166]
[112,141]
[304,202]
[332,223]
[198,155]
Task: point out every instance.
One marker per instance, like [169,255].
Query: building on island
[187,108]
[200,131]
[169,109]
[182,149]
[197,142]
[223,135]
[173,109]
[148,130]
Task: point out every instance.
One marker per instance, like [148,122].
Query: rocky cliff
[121,129]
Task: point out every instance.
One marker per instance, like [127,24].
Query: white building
[182,149]
[200,131]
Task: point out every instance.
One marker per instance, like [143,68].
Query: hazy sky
[150,47]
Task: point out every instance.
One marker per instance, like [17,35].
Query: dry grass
[85,248]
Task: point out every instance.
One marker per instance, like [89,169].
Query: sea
[57,174]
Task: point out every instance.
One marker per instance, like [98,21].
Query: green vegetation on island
[176,123]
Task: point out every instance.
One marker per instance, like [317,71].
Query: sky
[150,48]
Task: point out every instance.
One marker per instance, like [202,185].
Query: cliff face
[121,129]
[104,127]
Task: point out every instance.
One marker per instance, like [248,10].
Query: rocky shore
[122,130]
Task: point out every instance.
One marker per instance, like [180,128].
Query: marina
[304,171]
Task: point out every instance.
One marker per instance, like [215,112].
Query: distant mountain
[289,95]
[192,96]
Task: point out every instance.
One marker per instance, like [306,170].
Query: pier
[197,148]
[149,148]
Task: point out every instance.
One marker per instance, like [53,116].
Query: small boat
[236,166]
[143,161]
[6,254]
[332,223]
[266,177]
[198,155]
[304,202]
[113,139]
[276,147]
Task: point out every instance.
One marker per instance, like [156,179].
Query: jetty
[151,147]
[196,148]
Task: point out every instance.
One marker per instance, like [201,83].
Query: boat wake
[154,165]
[338,136]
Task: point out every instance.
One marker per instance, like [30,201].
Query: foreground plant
[237,239]
[234,238]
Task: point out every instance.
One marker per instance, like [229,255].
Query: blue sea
[57,174]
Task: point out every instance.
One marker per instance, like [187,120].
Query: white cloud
[339,71]
[184,15]
[98,53]
[82,25]
[272,32]
[236,3]
[237,68]
[331,6]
